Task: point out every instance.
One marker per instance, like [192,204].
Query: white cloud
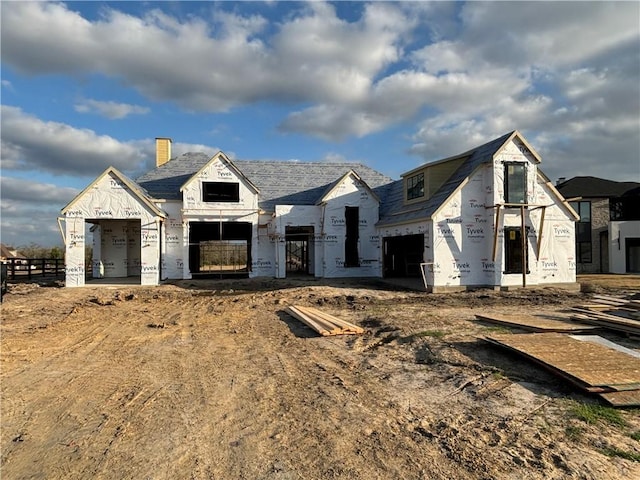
[464,72]
[30,143]
[28,191]
[212,66]
[29,210]
[112,110]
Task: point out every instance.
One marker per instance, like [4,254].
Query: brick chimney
[163,150]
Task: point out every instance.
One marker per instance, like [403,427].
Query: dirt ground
[212,380]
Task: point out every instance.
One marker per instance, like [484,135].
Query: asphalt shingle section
[594,187]
[394,211]
[279,182]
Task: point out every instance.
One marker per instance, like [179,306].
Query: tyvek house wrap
[464,229]
[174,246]
[296,216]
[350,192]
[121,215]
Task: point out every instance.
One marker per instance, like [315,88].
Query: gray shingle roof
[279,182]
[394,211]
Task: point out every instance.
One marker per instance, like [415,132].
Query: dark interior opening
[352,221]
[403,255]
[219,249]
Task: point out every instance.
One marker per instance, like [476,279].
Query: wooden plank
[540,228]
[536,324]
[307,321]
[329,327]
[523,246]
[333,319]
[495,233]
[608,317]
[589,363]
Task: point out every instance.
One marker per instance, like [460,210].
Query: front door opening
[513,250]
[297,249]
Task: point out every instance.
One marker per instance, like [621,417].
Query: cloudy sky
[86,85]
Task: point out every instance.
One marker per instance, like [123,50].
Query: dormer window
[225,192]
[515,182]
[415,186]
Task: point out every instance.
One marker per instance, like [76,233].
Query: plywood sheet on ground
[536,324]
[629,398]
[589,363]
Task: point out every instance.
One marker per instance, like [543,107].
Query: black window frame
[510,189]
[220,192]
[584,240]
[415,186]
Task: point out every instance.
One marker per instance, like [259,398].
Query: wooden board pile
[323,323]
[535,324]
[595,368]
[614,313]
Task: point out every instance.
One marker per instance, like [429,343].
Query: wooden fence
[27,268]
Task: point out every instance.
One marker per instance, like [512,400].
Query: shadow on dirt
[517,369]
[298,328]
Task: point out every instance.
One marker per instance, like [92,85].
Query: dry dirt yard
[213,380]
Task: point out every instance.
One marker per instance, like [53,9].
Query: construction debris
[593,367]
[323,323]
[536,324]
[614,313]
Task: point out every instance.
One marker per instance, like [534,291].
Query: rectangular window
[515,182]
[513,250]
[220,192]
[352,221]
[415,186]
[625,208]
[583,231]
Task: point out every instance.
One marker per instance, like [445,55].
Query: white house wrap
[487,217]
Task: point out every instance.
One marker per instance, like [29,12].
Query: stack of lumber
[596,368]
[614,313]
[323,323]
[535,323]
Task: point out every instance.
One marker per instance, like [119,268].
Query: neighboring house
[11,254]
[487,217]
[608,232]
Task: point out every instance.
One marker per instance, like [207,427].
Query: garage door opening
[403,255]
[219,249]
[113,251]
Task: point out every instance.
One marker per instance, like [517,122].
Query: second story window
[515,182]
[415,186]
[220,192]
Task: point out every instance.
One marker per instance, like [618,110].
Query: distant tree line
[34,250]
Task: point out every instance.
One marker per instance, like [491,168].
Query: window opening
[352,220]
[515,182]
[415,186]
[220,192]
[583,231]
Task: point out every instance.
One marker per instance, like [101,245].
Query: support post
[544,209]
[495,232]
[523,239]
